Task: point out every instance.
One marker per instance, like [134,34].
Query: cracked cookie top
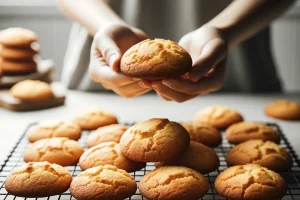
[94,118]
[243,131]
[54,128]
[154,140]
[38,179]
[156,59]
[250,182]
[103,182]
[108,153]
[267,154]
[173,183]
[218,116]
[62,151]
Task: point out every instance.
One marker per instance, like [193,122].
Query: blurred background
[53,29]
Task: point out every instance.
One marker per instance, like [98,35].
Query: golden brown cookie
[103,182]
[198,157]
[18,53]
[108,153]
[203,133]
[154,140]
[218,116]
[17,37]
[110,133]
[54,128]
[94,118]
[156,59]
[11,67]
[283,109]
[62,151]
[250,182]
[267,154]
[243,131]
[32,90]
[38,179]
[173,183]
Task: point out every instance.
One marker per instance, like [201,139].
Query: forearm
[243,18]
[92,14]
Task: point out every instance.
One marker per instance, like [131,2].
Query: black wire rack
[15,159]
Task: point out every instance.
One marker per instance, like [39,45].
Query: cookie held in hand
[156,59]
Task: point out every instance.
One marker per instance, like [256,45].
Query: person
[221,36]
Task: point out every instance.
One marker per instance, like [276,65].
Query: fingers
[212,53]
[210,83]
[168,93]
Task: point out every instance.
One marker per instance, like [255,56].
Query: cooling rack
[15,158]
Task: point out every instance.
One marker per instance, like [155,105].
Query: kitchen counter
[12,124]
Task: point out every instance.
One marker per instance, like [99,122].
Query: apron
[250,66]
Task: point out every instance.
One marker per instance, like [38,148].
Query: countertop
[12,124]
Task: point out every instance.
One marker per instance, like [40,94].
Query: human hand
[208,50]
[108,46]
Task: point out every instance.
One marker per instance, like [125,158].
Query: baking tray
[15,158]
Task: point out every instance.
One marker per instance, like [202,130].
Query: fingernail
[112,59]
[193,77]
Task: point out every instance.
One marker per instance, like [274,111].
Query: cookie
[62,151]
[243,131]
[198,157]
[283,109]
[32,90]
[110,133]
[156,59]
[267,154]
[218,116]
[154,140]
[10,67]
[54,128]
[38,179]
[250,182]
[173,183]
[17,37]
[18,53]
[108,153]
[103,182]
[94,118]
[203,133]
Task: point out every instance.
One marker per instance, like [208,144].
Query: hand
[108,46]
[208,50]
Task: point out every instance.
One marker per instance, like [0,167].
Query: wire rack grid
[15,159]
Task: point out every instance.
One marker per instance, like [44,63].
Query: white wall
[53,29]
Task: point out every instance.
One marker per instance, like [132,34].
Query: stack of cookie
[18,51]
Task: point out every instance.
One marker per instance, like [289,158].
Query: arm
[243,18]
[92,14]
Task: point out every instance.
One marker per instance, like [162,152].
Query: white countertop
[12,124]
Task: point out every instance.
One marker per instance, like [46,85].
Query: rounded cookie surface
[154,140]
[62,151]
[32,90]
[54,128]
[102,183]
[110,133]
[108,153]
[267,154]
[250,182]
[243,131]
[203,133]
[38,179]
[94,118]
[218,116]
[283,109]
[17,37]
[156,59]
[198,157]
[18,53]
[12,67]
[173,183]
